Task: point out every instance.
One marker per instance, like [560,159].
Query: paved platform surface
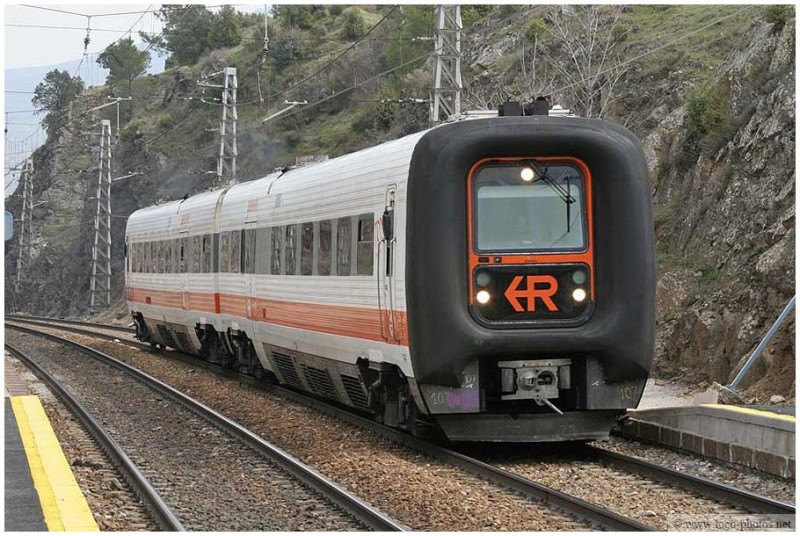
[41,493]
[22,509]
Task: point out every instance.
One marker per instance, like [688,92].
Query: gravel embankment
[421,492]
[114,505]
[741,477]
[211,481]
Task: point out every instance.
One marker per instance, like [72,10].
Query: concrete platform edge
[62,501]
[643,425]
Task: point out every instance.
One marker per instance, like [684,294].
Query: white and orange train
[493,277]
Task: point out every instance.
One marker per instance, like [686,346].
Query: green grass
[697,55]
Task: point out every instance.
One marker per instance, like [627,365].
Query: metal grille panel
[166,336]
[319,381]
[287,369]
[183,341]
[355,391]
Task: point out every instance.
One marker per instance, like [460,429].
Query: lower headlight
[578,294]
[483,297]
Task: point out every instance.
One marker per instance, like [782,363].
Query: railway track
[597,515]
[67,322]
[287,476]
[161,513]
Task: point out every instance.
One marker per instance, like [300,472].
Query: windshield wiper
[564,193]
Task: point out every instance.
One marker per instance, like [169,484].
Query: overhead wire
[333,96]
[659,47]
[175,125]
[331,62]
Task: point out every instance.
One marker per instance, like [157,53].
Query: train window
[182,255]
[519,209]
[250,251]
[291,250]
[224,248]
[275,250]
[215,253]
[158,255]
[206,254]
[343,245]
[236,252]
[365,249]
[263,249]
[188,254]
[134,257]
[176,256]
[146,257]
[324,255]
[306,248]
[196,254]
[167,256]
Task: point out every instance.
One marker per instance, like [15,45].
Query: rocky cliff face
[725,209]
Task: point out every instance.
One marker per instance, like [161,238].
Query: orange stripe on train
[357,322]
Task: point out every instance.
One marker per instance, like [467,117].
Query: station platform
[761,438]
[41,493]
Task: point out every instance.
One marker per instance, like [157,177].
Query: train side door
[249,268]
[183,262]
[386,268]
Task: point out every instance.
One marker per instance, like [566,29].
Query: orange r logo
[513,292]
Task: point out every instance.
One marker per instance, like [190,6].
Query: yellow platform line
[63,503]
[750,411]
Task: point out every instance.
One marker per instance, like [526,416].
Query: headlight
[527,174]
[579,277]
[483,279]
[578,294]
[483,297]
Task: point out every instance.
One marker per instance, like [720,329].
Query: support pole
[101,250]
[762,345]
[25,227]
[226,160]
[447,67]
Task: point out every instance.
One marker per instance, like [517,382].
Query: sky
[30,52]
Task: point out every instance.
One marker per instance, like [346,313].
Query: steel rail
[69,322]
[704,486]
[575,506]
[355,506]
[163,516]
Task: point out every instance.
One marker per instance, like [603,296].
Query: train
[491,278]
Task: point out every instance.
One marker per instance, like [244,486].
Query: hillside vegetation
[708,89]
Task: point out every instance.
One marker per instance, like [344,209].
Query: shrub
[165,120]
[706,111]
[470,14]
[778,14]
[354,26]
[536,29]
[286,48]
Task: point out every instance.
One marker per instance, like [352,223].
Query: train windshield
[521,208]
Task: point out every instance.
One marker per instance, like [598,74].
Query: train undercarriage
[378,389]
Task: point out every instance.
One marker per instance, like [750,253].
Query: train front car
[530,277]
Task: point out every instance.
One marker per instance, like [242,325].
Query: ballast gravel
[419,491]
[781,489]
[113,503]
[211,481]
